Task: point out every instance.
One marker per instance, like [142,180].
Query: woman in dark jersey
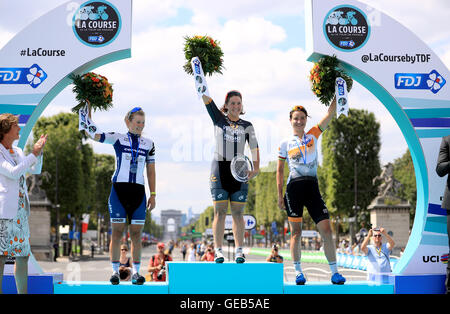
[231,135]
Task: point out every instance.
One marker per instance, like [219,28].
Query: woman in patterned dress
[14,203]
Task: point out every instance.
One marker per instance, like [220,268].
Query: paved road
[99,268]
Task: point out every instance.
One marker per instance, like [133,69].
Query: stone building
[39,220]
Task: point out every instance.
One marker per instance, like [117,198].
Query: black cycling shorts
[224,186]
[127,200]
[304,191]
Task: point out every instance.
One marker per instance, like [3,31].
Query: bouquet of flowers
[92,88]
[323,78]
[207,50]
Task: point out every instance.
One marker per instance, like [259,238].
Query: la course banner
[74,38]
[411,82]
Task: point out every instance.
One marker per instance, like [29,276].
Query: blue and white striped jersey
[121,143]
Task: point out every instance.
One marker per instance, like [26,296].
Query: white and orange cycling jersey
[301,154]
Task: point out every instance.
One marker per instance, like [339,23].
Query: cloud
[415,15]
[272,81]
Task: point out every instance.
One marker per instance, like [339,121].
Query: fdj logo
[340,86]
[197,66]
[432,81]
[33,76]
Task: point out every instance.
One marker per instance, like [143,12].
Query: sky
[264,57]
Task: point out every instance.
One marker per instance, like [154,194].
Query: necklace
[378,250]
[304,145]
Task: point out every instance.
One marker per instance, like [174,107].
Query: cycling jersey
[142,150]
[301,154]
[231,137]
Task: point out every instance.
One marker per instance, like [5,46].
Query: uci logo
[435,259]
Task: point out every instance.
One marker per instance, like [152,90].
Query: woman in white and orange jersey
[300,152]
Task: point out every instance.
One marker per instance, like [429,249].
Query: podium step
[105,287]
[226,278]
[37,284]
[350,287]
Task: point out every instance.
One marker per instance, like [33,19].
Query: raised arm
[390,241]
[366,242]
[97,135]
[206,99]
[330,114]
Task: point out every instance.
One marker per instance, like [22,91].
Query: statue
[389,187]
[34,182]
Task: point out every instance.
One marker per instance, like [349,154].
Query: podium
[105,287]
[225,278]
[206,278]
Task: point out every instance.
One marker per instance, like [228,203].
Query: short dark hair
[7,120]
[297,108]
[230,94]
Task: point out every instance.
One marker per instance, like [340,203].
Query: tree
[69,165]
[404,172]
[63,161]
[266,198]
[103,171]
[350,149]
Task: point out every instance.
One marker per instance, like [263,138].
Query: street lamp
[355,207]
[56,207]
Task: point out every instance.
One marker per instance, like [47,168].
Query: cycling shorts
[304,191]
[127,200]
[224,186]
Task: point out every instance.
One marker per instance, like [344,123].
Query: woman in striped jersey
[134,156]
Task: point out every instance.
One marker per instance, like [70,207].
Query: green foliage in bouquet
[323,78]
[207,50]
[94,88]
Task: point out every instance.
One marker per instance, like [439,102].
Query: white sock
[333,267]
[238,250]
[115,266]
[219,249]
[136,267]
[298,268]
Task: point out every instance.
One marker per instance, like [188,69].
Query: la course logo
[97,23]
[346,28]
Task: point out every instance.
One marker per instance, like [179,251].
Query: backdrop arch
[74,38]
[378,52]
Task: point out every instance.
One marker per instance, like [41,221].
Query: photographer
[157,264]
[209,254]
[125,264]
[274,257]
[378,254]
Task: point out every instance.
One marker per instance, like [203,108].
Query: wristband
[153,193]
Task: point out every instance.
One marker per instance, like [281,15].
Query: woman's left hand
[252,174]
[151,202]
